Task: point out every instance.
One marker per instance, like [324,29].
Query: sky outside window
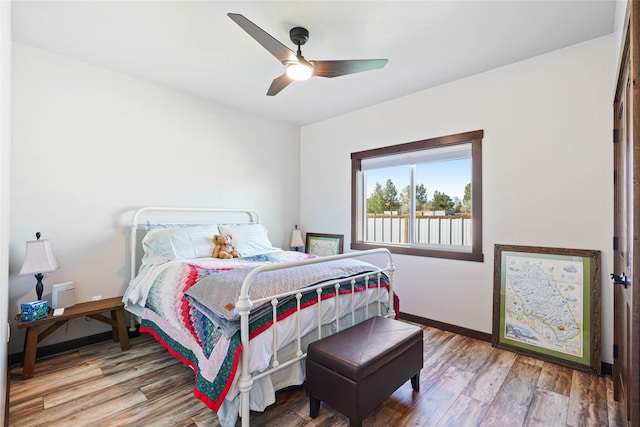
[449,177]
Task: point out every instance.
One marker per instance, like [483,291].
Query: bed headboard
[149,217]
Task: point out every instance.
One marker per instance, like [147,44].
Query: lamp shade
[296,239]
[39,258]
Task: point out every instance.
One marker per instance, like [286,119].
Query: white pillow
[167,244]
[249,239]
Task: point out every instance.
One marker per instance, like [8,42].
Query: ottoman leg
[314,407]
[415,381]
[354,423]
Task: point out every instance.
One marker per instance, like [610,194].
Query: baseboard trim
[61,347]
[483,336]
[606,368]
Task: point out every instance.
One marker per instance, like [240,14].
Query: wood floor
[465,382]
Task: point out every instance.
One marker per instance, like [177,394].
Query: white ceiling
[195,47]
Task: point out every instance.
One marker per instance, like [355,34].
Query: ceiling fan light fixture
[299,71]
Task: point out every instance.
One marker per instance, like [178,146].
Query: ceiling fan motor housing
[299,35]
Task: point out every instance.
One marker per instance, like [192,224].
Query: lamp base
[39,287]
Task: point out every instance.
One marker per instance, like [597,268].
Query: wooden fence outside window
[447,230]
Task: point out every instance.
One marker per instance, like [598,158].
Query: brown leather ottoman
[358,368]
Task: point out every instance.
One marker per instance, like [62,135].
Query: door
[623,250]
[626,298]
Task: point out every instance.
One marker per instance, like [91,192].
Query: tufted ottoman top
[358,351]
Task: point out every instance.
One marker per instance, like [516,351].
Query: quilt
[185,312]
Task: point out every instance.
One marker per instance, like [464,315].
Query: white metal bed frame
[244,303]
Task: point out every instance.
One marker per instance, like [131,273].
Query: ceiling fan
[298,68]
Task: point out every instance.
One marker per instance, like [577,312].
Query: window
[420,198]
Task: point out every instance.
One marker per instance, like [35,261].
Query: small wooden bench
[90,309]
[358,368]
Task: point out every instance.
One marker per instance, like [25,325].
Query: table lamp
[296,239]
[39,259]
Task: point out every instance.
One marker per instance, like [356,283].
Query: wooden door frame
[631,53]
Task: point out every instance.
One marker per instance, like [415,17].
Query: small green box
[35,310]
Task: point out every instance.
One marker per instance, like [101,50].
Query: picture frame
[324,244]
[546,304]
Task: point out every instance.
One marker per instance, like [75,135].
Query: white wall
[618,33]
[5,153]
[90,143]
[547,171]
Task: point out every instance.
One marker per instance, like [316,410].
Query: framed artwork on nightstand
[324,244]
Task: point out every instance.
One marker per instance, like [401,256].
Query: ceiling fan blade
[341,68]
[278,84]
[276,48]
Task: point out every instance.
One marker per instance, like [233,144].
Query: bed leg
[132,324]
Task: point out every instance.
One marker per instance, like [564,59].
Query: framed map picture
[324,244]
[546,304]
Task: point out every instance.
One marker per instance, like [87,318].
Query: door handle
[622,279]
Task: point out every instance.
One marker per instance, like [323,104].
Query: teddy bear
[223,247]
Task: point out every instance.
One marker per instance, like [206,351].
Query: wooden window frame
[473,137]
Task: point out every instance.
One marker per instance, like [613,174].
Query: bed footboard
[244,305]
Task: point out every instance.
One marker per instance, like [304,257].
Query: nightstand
[90,309]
